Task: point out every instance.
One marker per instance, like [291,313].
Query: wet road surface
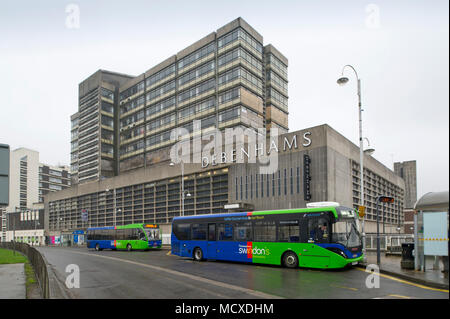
[158,274]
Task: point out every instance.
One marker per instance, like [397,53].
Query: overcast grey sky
[399,48]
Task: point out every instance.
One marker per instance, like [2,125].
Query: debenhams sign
[207,148]
[255,151]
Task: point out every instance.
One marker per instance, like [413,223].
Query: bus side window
[225,232]
[182,231]
[289,231]
[318,230]
[199,231]
[243,231]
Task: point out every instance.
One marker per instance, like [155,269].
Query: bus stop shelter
[431,228]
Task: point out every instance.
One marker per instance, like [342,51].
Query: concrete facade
[408,171]
[153,194]
[226,79]
[29,182]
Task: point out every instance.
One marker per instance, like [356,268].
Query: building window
[237,189]
[256,185]
[197,55]
[292,182]
[161,75]
[241,189]
[279,183]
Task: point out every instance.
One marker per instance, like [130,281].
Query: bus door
[212,241]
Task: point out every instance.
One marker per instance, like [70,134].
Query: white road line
[192,277]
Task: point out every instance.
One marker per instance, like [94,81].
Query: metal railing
[38,263]
[388,243]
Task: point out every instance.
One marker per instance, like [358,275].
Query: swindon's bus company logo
[251,251]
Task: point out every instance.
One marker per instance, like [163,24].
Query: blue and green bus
[318,237]
[126,237]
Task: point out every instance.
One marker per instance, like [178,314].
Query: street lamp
[183,192]
[342,81]
[114,204]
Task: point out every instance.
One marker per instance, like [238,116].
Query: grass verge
[32,286]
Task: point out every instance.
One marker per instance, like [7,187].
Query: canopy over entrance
[433,201]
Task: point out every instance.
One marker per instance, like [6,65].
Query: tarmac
[390,265]
[12,276]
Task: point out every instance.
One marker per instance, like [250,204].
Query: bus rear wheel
[290,260]
[198,254]
[129,248]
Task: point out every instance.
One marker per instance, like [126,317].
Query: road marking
[400,296]
[404,281]
[343,287]
[192,277]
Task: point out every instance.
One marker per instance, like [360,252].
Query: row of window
[115,234]
[230,95]
[198,72]
[132,147]
[260,231]
[197,55]
[107,94]
[239,73]
[239,53]
[262,185]
[161,75]
[132,118]
[240,34]
[278,97]
[160,106]
[132,91]
[108,121]
[196,108]
[197,90]
[279,66]
[273,77]
[162,121]
[153,94]
[107,107]
[132,105]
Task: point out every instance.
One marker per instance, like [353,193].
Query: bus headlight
[338,251]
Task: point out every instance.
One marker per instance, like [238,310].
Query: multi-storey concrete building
[29,182]
[315,164]
[93,128]
[52,178]
[226,79]
[407,170]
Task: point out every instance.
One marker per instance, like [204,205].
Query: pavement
[390,265]
[12,281]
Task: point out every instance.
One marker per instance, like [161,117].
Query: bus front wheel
[129,247]
[290,259]
[198,254]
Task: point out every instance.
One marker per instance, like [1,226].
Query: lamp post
[341,81]
[114,204]
[382,199]
[183,193]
